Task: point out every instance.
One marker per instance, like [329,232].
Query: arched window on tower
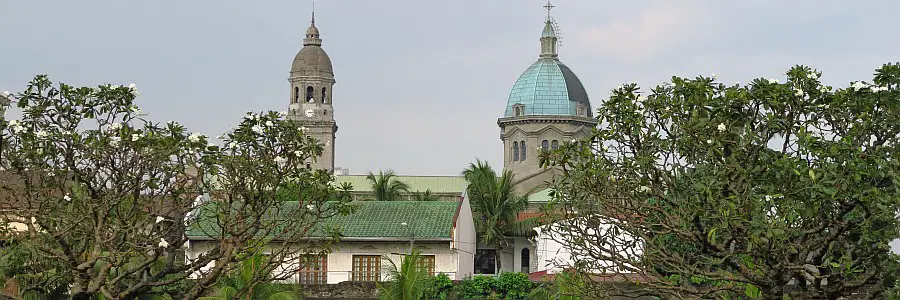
[309,94]
[515,151]
[554,145]
[324,95]
[522,147]
[545,145]
[296,94]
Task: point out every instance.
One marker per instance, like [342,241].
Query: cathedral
[547,106]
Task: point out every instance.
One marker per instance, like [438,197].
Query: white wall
[553,256]
[464,240]
[340,259]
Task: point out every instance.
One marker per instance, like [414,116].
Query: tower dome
[548,87]
[312,59]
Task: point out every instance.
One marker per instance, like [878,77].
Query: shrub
[477,287]
[514,285]
[438,287]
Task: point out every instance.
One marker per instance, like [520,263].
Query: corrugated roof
[437,184]
[542,196]
[374,220]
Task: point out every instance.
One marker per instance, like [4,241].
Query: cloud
[652,30]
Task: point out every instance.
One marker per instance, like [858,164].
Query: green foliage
[105,195]
[409,281]
[697,188]
[425,196]
[495,205]
[438,287]
[248,282]
[514,285]
[386,187]
[477,287]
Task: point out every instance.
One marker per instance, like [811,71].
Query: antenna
[557,31]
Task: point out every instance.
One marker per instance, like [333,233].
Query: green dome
[548,87]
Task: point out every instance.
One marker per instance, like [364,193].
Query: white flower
[67,198]
[135,137]
[310,207]
[282,114]
[605,148]
[42,134]
[721,127]
[269,124]
[298,153]
[231,145]
[114,141]
[858,85]
[709,141]
[280,160]
[256,128]
[823,89]
[159,219]
[136,110]
[163,243]
[14,123]
[798,92]
[6,94]
[115,126]
[195,137]
[644,189]
[879,89]
[768,197]
[738,83]
[713,76]
[812,75]
[619,87]
[773,80]
[573,140]
[303,129]
[132,86]
[641,98]
[114,86]
[17,128]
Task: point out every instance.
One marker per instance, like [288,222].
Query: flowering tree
[103,197]
[767,190]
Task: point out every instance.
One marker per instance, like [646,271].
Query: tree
[386,187]
[425,196]
[241,283]
[408,281]
[495,206]
[104,196]
[702,190]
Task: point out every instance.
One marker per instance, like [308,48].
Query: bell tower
[311,80]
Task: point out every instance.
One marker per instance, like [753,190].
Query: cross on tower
[548,6]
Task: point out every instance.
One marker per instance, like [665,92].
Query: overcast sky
[420,84]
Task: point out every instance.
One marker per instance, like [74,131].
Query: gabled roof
[437,184]
[374,220]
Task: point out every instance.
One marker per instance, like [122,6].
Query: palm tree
[240,283]
[386,186]
[425,196]
[495,206]
[408,282]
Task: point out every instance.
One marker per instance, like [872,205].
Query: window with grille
[366,268]
[426,262]
[314,269]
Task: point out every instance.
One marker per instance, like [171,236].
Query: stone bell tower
[311,81]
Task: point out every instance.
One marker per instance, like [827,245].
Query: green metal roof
[542,196]
[437,184]
[375,220]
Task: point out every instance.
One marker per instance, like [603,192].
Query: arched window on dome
[554,145]
[545,145]
[324,94]
[309,94]
[515,151]
[522,149]
[296,94]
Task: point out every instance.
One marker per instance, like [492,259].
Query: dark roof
[376,220]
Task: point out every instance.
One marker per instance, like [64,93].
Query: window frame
[516,151]
[313,274]
[366,275]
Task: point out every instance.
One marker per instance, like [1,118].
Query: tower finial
[313,22]
[549,6]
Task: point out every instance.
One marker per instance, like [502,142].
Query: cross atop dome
[549,6]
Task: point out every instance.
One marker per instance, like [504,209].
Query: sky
[420,84]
